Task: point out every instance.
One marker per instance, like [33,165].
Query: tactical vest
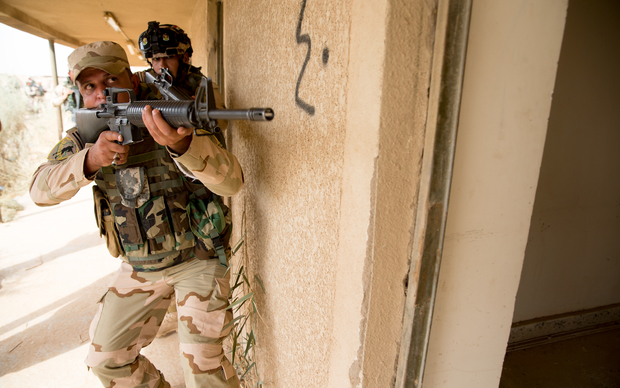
[154,216]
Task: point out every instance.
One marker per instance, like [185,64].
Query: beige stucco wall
[203,33]
[572,257]
[198,33]
[410,34]
[329,199]
[510,69]
[290,207]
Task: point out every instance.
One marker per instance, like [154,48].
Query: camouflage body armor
[154,216]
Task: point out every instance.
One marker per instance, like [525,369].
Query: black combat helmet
[164,40]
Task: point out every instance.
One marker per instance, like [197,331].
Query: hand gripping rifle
[163,81]
[126,117]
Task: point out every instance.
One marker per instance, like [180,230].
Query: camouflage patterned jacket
[171,220]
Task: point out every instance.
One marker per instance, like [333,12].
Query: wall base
[555,328]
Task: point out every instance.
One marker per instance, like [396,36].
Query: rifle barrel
[253,114]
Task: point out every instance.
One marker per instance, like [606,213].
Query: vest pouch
[132,186]
[177,206]
[129,231]
[105,222]
[156,225]
[206,215]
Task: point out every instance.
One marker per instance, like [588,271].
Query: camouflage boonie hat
[105,55]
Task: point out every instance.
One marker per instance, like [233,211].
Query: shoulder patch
[65,148]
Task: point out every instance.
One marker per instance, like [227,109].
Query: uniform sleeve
[218,169]
[59,180]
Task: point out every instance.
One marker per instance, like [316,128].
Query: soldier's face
[170,63]
[92,82]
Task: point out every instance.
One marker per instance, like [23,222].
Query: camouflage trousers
[132,310]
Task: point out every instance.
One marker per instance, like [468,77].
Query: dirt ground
[54,267]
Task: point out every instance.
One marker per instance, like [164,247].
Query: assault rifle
[126,117]
[163,82]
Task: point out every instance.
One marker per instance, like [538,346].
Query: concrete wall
[290,207]
[198,33]
[410,29]
[203,32]
[572,257]
[331,183]
[510,70]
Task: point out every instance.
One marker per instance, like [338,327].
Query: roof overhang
[74,23]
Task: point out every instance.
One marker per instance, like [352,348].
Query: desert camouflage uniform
[185,258]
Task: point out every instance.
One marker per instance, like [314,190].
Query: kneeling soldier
[167,226]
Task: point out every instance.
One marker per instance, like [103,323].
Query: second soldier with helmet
[166,46]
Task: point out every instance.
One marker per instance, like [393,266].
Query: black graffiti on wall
[325,56]
[305,38]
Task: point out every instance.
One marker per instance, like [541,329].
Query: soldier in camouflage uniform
[68,95]
[168,228]
[166,46]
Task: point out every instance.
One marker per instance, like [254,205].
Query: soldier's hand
[105,151]
[177,139]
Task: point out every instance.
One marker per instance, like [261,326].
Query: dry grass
[29,131]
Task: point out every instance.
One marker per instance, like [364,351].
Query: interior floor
[582,362]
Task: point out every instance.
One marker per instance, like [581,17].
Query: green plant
[243,335]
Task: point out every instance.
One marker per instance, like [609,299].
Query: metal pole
[451,31]
[54,84]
